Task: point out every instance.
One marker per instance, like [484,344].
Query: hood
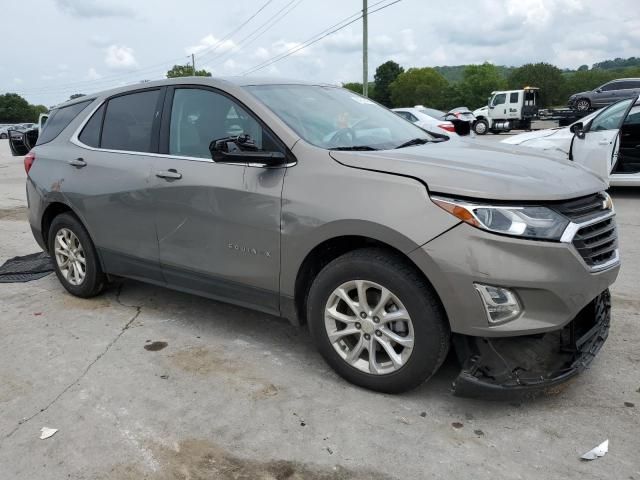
[581,94]
[496,172]
[533,135]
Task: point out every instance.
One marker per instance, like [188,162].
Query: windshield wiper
[354,148]
[414,141]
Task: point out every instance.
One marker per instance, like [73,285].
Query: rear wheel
[3,136]
[377,322]
[481,127]
[75,260]
[583,105]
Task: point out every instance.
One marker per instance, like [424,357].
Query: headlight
[540,223]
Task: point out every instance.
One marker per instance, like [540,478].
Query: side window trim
[165,122]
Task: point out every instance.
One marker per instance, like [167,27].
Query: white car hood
[555,142]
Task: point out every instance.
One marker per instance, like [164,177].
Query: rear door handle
[604,142]
[78,163]
[170,174]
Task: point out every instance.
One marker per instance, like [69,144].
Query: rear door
[514,107]
[218,225]
[107,177]
[597,148]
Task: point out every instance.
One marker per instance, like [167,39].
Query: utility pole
[193,63]
[365,53]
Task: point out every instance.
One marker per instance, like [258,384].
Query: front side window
[335,118]
[611,118]
[199,117]
[58,121]
[128,122]
[499,99]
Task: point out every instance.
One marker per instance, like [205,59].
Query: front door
[218,225]
[629,155]
[597,148]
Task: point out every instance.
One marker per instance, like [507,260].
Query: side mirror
[598,90]
[577,129]
[242,150]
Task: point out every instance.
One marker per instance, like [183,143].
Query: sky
[55,48]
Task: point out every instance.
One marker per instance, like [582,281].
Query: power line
[151,69]
[257,33]
[313,40]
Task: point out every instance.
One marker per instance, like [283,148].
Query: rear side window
[90,134]
[128,122]
[513,97]
[58,121]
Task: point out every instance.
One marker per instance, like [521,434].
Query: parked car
[606,94]
[4,131]
[425,121]
[333,211]
[606,141]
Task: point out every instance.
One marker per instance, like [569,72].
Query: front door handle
[170,174]
[78,163]
[604,142]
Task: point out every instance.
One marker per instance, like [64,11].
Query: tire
[429,328]
[3,136]
[583,105]
[72,232]
[481,127]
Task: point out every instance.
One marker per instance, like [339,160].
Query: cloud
[92,74]
[94,9]
[211,44]
[120,57]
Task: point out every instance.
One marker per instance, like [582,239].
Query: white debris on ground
[46,432]
[596,452]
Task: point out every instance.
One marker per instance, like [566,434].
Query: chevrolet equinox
[316,204]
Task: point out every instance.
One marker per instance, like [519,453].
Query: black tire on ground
[94,280]
[3,136]
[432,336]
[583,105]
[481,127]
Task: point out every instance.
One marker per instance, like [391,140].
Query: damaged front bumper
[524,366]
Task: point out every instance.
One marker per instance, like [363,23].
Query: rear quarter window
[59,119]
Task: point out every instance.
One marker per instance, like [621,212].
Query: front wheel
[481,127]
[377,322]
[75,260]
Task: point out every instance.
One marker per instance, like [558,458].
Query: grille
[597,242]
[582,209]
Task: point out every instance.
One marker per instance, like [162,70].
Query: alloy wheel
[70,257]
[369,327]
[582,105]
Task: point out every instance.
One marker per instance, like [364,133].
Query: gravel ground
[236,394]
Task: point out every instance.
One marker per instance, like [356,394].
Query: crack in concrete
[88,368]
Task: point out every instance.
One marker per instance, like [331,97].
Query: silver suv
[313,203]
[607,94]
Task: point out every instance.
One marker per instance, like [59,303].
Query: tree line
[445,88]
[15,109]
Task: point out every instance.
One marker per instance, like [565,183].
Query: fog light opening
[501,304]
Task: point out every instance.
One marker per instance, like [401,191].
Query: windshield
[335,118]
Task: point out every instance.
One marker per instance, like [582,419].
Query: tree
[384,77]
[357,87]
[14,109]
[186,71]
[416,86]
[478,81]
[544,76]
[583,68]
